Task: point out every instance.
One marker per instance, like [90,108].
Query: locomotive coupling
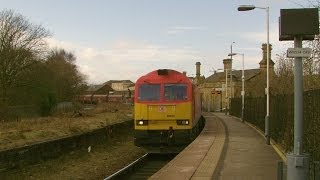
[170,133]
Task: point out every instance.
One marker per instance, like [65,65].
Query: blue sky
[124,39]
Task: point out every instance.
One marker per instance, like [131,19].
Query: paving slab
[247,156]
[226,149]
[199,159]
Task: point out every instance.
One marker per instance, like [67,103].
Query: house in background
[96,94]
[216,95]
[110,91]
[121,87]
[102,89]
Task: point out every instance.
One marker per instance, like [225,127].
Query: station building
[216,93]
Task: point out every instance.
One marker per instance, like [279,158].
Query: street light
[231,94]
[227,98]
[242,78]
[226,91]
[248,8]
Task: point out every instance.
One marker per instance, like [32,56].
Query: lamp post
[227,99]
[242,79]
[248,8]
[231,94]
[227,96]
[226,90]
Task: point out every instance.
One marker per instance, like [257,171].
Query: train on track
[167,111]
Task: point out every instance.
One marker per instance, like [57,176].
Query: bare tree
[311,3]
[311,66]
[283,82]
[21,44]
[67,79]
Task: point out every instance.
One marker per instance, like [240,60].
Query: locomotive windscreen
[149,92]
[175,92]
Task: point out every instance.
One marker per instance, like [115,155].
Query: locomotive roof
[164,75]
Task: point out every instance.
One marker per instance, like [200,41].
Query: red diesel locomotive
[167,111]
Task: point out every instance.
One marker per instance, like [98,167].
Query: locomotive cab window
[149,92]
[174,92]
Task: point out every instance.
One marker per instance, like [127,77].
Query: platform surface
[225,149]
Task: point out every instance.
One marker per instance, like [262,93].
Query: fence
[282,119]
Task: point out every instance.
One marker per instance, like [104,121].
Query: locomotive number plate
[162,109]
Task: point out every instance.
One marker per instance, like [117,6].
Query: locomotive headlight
[183,122]
[142,122]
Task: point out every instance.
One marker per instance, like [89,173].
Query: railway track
[143,167]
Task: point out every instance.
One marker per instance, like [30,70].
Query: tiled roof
[216,77]
[94,88]
[117,81]
[264,61]
[236,75]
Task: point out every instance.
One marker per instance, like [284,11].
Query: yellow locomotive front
[164,112]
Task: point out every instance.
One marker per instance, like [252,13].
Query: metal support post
[243,79]
[220,101]
[248,8]
[231,93]
[226,89]
[242,92]
[267,89]
[280,171]
[298,162]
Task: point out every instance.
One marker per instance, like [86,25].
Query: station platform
[225,149]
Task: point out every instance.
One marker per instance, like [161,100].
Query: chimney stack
[227,64]
[184,73]
[263,62]
[198,69]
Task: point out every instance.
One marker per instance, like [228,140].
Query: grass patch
[26,131]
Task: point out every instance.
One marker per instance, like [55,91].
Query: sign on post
[299,52]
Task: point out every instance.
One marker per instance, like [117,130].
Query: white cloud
[55,43]
[182,29]
[129,59]
[257,38]
[126,59]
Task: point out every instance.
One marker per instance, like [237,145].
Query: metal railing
[281,121]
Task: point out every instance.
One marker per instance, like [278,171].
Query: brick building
[216,94]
